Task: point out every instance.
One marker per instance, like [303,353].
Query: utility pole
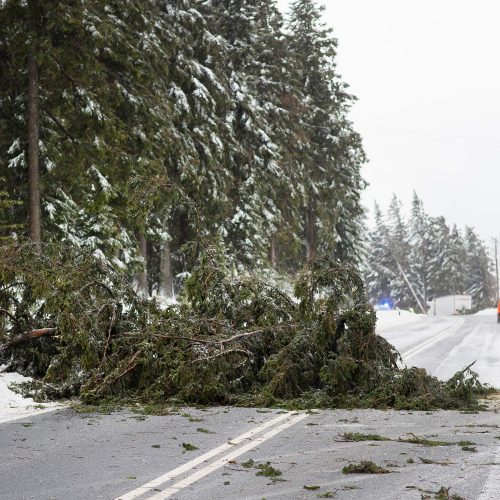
[403,274]
[405,277]
[496,268]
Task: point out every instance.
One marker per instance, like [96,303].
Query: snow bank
[13,405]
[487,312]
[388,319]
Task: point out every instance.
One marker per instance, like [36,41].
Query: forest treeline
[132,128]
[117,118]
[425,254]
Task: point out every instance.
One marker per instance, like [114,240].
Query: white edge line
[168,492]
[141,490]
[419,348]
[12,418]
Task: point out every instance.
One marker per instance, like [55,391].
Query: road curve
[445,345]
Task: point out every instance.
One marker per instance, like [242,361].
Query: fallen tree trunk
[26,337]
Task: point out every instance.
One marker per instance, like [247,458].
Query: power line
[450,139]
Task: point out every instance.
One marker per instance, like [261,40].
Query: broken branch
[26,337]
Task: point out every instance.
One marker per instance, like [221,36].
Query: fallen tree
[232,340]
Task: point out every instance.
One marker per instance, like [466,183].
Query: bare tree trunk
[273,253]
[34,225]
[166,285]
[142,277]
[310,234]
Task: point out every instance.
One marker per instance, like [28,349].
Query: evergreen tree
[211,98]
[399,249]
[256,71]
[333,154]
[420,253]
[455,263]
[479,281]
[441,262]
[90,63]
[433,259]
[200,139]
[380,272]
[6,208]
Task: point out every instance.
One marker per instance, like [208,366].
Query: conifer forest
[181,215]
[241,112]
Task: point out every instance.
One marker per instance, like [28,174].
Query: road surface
[253,454]
[444,345]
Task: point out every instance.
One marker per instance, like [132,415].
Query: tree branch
[100,283]
[33,334]
[61,126]
[224,353]
[10,315]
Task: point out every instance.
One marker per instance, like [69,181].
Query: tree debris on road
[232,340]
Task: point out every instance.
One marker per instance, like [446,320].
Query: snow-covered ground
[388,319]
[13,405]
[487,312]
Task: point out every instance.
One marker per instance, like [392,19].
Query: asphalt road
[201,454]
[447,344]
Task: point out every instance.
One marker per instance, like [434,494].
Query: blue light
[384,304]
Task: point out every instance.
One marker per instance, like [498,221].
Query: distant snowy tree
[380,264]
[427,255]
[454,264]
[420,252]
[399,248]
[479,281]
[441,264]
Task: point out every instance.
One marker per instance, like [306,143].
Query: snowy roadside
[388,319]
[487,312]
[13,405]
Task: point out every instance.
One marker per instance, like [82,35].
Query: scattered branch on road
[364,467]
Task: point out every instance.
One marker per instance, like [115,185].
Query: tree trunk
[166,285]
[310,234]
[33,334]
[34,225]
[273,253]
[142,277]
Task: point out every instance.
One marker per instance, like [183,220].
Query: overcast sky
[427,76]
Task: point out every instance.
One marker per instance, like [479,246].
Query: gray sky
[427,75]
